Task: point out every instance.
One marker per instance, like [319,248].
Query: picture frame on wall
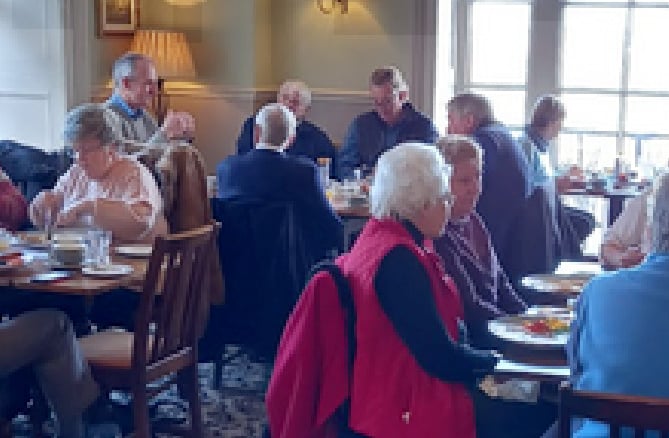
[118,17]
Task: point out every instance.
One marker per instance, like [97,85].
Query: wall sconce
[327,6]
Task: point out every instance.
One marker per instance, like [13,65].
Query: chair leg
[192,387]
[140,411]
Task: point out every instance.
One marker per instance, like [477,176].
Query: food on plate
[11,260]
[546,326]
[34,238]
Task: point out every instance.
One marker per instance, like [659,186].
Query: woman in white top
[103,187]
[627,241]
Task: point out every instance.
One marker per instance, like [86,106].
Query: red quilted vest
[391,395]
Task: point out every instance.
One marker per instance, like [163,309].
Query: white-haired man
[393,121]
[135,84]
[310,141]
[266,173]
[279,222]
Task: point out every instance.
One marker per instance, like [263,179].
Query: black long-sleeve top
[404,291]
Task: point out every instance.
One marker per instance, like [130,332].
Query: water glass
[324,171]
[211,186]
[48,223]
[99,242]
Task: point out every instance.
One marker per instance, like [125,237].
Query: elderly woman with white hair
[616,342]
[102,187]
[412,367]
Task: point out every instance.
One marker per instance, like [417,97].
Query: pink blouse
[127,199]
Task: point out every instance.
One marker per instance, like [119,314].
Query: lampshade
[169,51]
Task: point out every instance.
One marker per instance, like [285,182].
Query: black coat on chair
[32,169]
[276,223]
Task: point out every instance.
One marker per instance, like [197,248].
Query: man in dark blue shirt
[310,141]
[393,121]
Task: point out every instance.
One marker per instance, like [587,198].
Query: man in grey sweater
[135,84]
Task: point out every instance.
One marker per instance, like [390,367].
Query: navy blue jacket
[369,136]
[263,174]
[310,142]
[506,186]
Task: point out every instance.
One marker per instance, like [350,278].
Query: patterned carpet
[235,411]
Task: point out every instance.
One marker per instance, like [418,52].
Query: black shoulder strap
[346,301]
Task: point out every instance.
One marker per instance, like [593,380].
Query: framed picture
[118,17]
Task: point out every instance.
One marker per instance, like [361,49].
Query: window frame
[544,69]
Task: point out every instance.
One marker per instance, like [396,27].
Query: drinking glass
[324,171]
[99,242]
[48,223]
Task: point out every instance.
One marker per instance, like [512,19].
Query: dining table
[615,196]
[562,285]
[36,261]
[354,217]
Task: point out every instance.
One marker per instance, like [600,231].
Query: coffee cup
[68,253]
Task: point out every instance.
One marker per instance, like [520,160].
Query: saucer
[135,250]
[106,270]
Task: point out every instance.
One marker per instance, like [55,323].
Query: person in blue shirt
[616,344]
[310,141]
[570,225]
[393,121]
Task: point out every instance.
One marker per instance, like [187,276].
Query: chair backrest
[183,183]
[533,241]
[640,414]
[266,253]
[176,272]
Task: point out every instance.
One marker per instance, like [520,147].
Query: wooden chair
[132,361]
[618,411]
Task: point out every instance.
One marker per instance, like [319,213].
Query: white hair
[291,86]
[408,178]
[659,214]
[277,125]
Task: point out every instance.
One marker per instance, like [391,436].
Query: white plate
[107,270]
[510,329]
[135,251]
[569,284]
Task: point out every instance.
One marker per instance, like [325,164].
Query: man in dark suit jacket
[267,173]
[279,224]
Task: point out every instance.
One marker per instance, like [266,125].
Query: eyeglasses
[447,198]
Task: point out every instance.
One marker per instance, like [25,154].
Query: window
[614,84]
[499,48]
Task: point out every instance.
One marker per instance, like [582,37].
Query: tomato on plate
[538,327]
